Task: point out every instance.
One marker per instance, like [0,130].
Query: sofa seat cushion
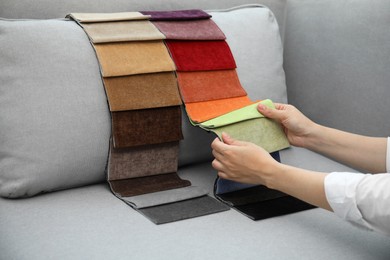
[90,223]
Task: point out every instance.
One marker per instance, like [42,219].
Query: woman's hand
[297,126]
[242,161]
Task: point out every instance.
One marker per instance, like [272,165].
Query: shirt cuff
[388,155]
[340,191]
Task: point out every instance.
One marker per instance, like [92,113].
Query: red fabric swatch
[201,55]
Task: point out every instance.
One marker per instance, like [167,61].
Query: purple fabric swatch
[179,15]
[205,29]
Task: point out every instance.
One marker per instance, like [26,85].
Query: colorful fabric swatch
[177,15]
[142,91]
[107,17]
[140,161]
[206,110]
[201,55]
[198,86]
[147,184]
[129,58]
[146,126]
[142,30]
[202,30]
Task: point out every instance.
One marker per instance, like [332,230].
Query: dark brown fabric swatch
[146,126]
[142,91]
[124,163]
[148,184]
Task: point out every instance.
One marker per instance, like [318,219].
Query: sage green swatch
[263,132]
[247,124]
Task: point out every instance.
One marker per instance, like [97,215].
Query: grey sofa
[336,64]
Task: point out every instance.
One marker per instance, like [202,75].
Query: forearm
[302,184]
[360,152]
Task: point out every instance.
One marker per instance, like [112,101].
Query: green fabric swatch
[263,132]
[247,124]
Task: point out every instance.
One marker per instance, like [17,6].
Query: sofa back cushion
[54,118]
[337,62]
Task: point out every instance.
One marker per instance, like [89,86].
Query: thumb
[270,112]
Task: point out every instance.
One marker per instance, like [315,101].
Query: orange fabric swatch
[200,86]
[201,111]
[129,58]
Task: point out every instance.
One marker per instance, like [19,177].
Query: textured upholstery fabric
[122,31]
[147,184]
[142,160]
[129,58]
[165,197]
[204,29]
[142,91]
[183,210]
[197,86]
[201,55]
[146,126]
[206,110]
[107,17]
[178,15]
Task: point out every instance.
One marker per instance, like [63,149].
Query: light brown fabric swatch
[107,17]
[122,31]
[142,91]
[142,161]
[146,126]
[129,58]
[148,184]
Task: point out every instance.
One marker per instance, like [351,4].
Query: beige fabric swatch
[129,58]
[122,31]
[107,17]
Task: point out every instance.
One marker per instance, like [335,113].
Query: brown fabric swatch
[148,184]
[146,126]
[142,91]
[129,58]
[122,31]
[125,163]
[197,86]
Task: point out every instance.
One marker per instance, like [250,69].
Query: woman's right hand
[297,126]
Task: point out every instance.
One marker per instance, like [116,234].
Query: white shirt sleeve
[362,199]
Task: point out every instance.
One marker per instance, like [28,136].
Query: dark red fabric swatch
[146,126]
[201,55]
[148,184]
[178,15]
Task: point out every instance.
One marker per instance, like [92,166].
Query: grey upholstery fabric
[337,63]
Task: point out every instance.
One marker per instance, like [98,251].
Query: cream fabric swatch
[122,31]
[107,17]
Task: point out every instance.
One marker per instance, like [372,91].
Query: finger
[270,112]
[219,146]
[217,155]
[217,165]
